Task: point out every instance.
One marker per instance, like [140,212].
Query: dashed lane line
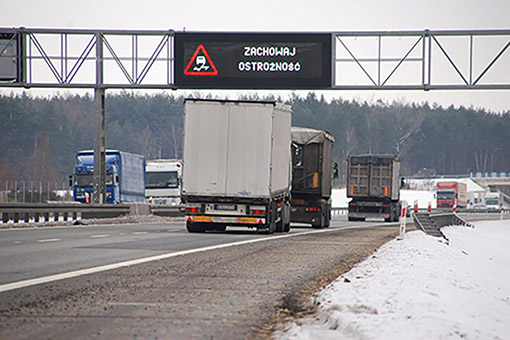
[48,240]
[99,236]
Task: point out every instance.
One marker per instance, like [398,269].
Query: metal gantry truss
[435,60]
[388,60]
[122,59]
[56,58]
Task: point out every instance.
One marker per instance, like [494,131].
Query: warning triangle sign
[201,64]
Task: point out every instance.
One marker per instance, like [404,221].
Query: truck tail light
[191,210]
[351,189]
[313,209]
[386,191]
[258,212]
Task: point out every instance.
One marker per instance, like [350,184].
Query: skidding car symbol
[201,62]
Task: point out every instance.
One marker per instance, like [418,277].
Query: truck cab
[163,181]
[451,195]
[493,200]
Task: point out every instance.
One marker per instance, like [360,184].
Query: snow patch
[420,288]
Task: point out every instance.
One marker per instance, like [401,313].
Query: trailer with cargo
[311,176]
[373,183]
[236,165]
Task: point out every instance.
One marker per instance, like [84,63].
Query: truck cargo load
[236,165]
[373,183]
[311,176]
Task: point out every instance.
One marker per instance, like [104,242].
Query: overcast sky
[278,15]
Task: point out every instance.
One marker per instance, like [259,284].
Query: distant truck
[493,200]
[163,181]
[236,165]
[125,177]
[451,194]
[373,183]
[311,177]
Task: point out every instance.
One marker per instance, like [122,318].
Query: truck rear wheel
[220,227]
[195,227]
[268,229]
[279,226]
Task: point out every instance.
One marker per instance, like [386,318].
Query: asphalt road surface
[156,281]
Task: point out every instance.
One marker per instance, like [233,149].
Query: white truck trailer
[236,165]
[163,181]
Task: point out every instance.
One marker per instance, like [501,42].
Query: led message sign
[253,60]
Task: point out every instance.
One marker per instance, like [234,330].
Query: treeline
[40,136]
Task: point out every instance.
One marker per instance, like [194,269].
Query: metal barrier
[339,211]
[50,212]
[167,210]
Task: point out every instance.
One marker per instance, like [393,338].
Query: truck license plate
[230,207]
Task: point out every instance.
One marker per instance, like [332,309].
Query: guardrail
[50,212]
[339,211]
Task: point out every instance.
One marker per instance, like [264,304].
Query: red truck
[451,194]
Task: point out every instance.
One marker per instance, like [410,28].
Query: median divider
[53,212]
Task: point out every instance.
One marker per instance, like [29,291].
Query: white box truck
[236,165]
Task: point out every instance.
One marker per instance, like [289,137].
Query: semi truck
[451,194]
[311,176]
[373,183]
[163,181]
[236,165]
[125,177]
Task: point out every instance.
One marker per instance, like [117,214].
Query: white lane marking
[99,236]
[140,232]
[48,240]
[17,242]
[76,273]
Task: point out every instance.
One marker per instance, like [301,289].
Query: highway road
[29,253]
[153,281]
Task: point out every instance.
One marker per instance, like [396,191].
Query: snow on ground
[420,287]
